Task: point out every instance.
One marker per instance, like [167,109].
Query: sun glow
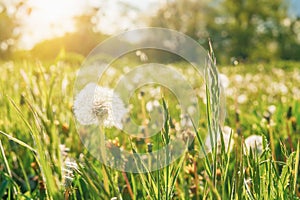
[50,18]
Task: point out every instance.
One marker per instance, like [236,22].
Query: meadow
[42,156]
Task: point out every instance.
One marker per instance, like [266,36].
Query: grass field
[42,157]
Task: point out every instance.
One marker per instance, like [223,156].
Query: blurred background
[257,46]
[240,30]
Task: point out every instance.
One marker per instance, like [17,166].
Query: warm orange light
[50,18]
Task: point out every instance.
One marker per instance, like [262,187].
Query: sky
[295,8]
[52,18]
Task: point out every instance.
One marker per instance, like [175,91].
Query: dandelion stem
[103,156]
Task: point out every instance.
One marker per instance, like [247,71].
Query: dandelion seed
[68,170]
[99,105]
[254,142]
[69,167]
[142,55]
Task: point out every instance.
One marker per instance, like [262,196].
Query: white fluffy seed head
[99,105]
[228,140]
[254,142]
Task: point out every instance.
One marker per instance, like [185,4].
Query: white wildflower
[99,105]
[238,78]
[224,80]
[155,92]
[111,71]
[272,109]
[150,105]
[226,131]
[242,99]
[255,143]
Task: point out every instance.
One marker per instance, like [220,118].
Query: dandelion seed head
[155,92]
[224,80]
[255,143]
[238,78]
[272,109]
[242,99]
[95,104]
[149,106]
[226,131]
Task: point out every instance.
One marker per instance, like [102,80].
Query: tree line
[243,30]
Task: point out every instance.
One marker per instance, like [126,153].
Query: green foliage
[36,120]
[255,28]
[8,24]
[245,30]
[189,17]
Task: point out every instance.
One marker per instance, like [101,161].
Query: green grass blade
[18,141]
[6,164]
[296,168]
[52,188]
